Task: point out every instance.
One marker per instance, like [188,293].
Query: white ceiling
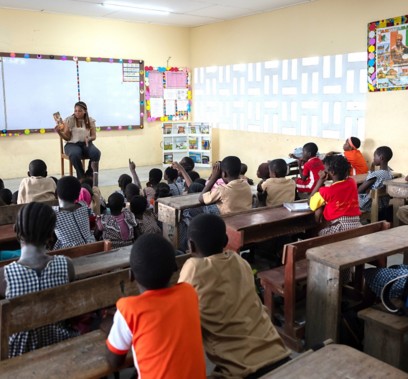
[187,13]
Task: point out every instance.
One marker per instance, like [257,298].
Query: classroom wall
[36,32]
[322,27]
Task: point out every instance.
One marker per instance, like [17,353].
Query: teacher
[79,131]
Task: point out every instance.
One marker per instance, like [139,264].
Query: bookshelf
[182,139]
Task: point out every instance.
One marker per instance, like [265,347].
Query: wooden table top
[181,202]
[261,216]
[336,362]
[100,263]
[360,250]
[397,187]
[7,233]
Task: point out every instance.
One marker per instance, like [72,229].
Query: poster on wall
[168,93]
[388,54]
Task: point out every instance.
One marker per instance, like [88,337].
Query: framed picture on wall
[387,62]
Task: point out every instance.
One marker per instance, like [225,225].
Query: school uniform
[36,188]
[311,171]
[279,190]
[239,337]
[162,327]
[235,196]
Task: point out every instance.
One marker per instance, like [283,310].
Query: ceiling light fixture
[131,8]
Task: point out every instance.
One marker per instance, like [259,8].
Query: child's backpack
[386,300]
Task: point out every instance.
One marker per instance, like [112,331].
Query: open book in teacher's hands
[297,207]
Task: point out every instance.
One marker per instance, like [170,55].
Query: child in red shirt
[310,173]
[336,206]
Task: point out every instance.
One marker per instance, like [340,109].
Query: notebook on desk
[297,207]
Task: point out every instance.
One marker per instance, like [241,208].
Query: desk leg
[322,304]
[396,203]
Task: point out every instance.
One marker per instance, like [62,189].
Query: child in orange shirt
[355,158]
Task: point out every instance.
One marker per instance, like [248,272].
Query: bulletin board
[168,93]
[33,87]
[387,64]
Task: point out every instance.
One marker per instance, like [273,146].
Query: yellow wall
[322,27]
[35,32]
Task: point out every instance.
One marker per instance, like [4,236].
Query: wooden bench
[282,280]
[78,357]
[8,213]
[74,252]
[373,215]
[386,336]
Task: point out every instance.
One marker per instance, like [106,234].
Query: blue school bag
[386,299]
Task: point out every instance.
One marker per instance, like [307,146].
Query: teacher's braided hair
[86,116]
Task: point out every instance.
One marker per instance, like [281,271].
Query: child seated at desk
[262,173]
[162,324]
[37,186]
[336,206]
[244,169]
[278,189]
[239,337]
[176,187]
[145,218]
[118,226]
[235,195]
[35,271]
[375,179]
[309,175]
[72,226]
[6,196]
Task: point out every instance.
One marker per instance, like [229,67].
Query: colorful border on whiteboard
[124,62]
[382,73]
[180,115]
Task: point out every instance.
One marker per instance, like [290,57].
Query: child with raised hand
[37,186]
[239,337]
[72,226]
[235,195]
[145,218]
[278,189]
[375,179]
[336,206]
[118,226]
[162,324]
[170,175]
[309,175]
[35,271]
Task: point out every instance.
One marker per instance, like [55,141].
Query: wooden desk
[335,362]
[8,238]
[261,224]
[324,290]
[362,177]
[398,190]
[100,263]
[170,209]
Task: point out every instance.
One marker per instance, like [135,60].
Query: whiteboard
[110,101]
[35,89]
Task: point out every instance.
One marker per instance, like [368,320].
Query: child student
[145,218]
[337,203]
[278,189]
[244,169]
[162,324]
[37,187]
[176,187]
[239,337]
[72,226]
[123,181]
[353,155]
[235,195]
[34,271]
[310,173]
[375,179]
[118,226]
[263,174]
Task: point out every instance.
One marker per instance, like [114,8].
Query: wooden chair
[63,157]
[282,280]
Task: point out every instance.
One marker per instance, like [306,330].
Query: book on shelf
[181,129]
[181,143]
[193,143]
[204,129]
[196,157]
[297,207]
[167,128]
[193,130]
[205,159]
[168,158]
[205,144]
[168,144]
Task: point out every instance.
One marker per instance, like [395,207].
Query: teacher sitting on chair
[79,131]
